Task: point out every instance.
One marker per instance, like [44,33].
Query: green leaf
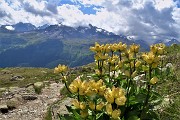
[69,108]
[154,115]
[99,116]
[132,100]
[134,117]
[66,117]
[155,98]
[157,72]
[168,71]
[74,111]
[150,114]
[140,97]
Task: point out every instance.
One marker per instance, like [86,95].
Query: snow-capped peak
[9,28]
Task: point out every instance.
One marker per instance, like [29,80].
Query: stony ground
[30,109]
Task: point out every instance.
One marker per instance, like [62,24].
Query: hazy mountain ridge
[24,44]
[51,45]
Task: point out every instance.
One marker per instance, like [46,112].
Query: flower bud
[154,80]
[82,105]
[91,105]
[134,74]
[127,73]
[138,63]
[84,113]
[109,109]
[75,103]
[99,106]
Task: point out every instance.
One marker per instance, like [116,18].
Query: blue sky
[85,9]
[138,19]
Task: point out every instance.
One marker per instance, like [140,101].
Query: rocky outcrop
[26,105]
[15,78]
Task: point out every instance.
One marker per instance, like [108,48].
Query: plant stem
[112,53]
[129,84]
[161,68]
[147,98]
[120,58]
[67,88]
[109,72]
[78,95]
[95,110]
[134,62]
[148,92]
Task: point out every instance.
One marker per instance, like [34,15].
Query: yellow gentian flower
[100,106]
[121,100]
[109,95]
[75,103]
[92,105]
[116,113]
[109,109]
[82,105]
[138,63]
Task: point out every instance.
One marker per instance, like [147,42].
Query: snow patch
[98,29]
[131,37]
[167,40]
[9,28]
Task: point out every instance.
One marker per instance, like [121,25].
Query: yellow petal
[120,101]
[82,105]
[73,88]
[109,109]
[100,106]
[116,114]
[92,105]
[75,103]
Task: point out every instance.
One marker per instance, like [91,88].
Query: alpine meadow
[89,59]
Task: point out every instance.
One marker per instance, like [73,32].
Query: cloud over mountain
[140,19]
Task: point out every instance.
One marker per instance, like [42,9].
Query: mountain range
[26,45]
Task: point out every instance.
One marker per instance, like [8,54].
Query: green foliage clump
[123,86]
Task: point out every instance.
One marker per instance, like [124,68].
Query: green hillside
[42,49]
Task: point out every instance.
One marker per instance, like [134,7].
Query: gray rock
[29,96]
[3,108]
[13,103]
[30,89]
[13,89]
[15,78]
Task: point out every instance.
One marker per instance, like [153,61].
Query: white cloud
[161,4]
